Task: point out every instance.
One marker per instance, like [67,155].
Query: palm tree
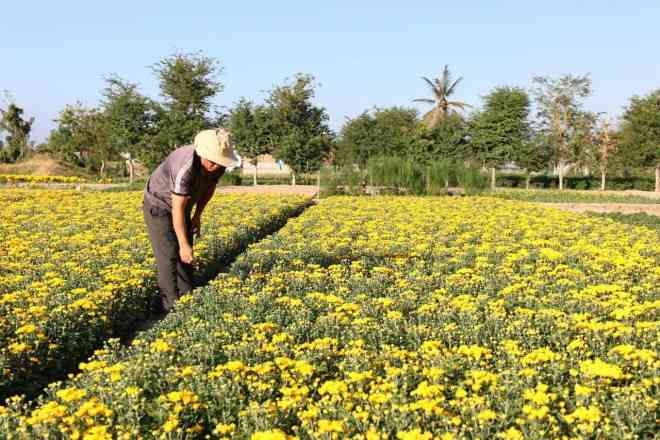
[442,89]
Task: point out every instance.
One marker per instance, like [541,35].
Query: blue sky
[54,53]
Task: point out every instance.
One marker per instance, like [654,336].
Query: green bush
[235,178]
[231,179]
[575,182]
[441,174]
[346,179]
[471,179]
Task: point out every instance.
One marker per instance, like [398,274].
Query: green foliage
[81,137]
[501,132]
[390,131]
[129,122]
[535,154]
[441,88]
[641,133]
[18,130]
[447,140]
[232,178]
[346,179]
[407,176]
[575,182]
[188,82]
[251,128]
[300,131]
[130,117]
[471,179]
[559,105]
[440,174]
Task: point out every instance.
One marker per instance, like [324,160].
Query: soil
[37,165]
[304,190]
[652,209]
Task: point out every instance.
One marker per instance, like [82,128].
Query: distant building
[266,164]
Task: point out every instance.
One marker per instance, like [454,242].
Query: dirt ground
[627,192]
[37,165]
[652,209]
[305,190]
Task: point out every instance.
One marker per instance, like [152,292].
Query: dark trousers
[175,278]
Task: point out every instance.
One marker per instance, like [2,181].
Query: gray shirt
[180,173]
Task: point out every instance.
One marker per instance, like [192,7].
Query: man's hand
[196,224]
[186,254]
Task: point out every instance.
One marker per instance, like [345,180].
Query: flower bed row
[77,267]
[20,178]
[393,318]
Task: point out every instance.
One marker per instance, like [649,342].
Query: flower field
[392,317]
[76,267]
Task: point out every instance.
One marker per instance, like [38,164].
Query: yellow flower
[160,346]
[333,387]
[26,329]
[17,347]
[539,355]
[414,434]
[512,434]
[269,435]
[599,368]
[97,433]
[224,428]
[486,416]
[71,394]
[330,426]
[132,391]
[171,423]
[592,414]
[581,390]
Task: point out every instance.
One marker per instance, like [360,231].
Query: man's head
[215,149]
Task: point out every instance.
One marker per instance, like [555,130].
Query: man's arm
[202,202]
[179,221]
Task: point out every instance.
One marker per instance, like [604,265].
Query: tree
[441,88]
[188,82]
[380,132]
[603,149]
[18,133]
[300,131]
[641,132]
[501,130]
[81,137]
[130,119]
[252,133]
[558,102]
[534,155]
[446,141]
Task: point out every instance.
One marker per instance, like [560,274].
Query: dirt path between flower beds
[622,208]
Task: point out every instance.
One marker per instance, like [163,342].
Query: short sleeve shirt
[180,173]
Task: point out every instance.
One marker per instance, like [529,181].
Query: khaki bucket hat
[215,145]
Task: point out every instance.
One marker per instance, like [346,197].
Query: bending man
[186,178]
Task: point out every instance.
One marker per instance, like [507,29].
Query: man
[186,178]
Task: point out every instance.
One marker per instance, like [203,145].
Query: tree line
[544,130]
[540,130]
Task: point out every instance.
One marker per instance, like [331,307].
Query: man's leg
[166,251]
[185,272]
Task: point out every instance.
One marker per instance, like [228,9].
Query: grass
[570,196]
